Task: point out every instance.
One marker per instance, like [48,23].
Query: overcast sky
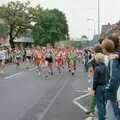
[78,11]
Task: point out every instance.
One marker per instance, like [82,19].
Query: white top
[2,54]
[106,60]
[28,52]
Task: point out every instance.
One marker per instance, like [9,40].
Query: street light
[92,20]
[98,17]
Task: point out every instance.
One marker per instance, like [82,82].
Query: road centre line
[52,101]
[14,75]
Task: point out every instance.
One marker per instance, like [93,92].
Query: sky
[79,11]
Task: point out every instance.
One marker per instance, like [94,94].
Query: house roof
[24,40]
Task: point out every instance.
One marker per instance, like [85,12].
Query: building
[82,38]
[64,44]
[110,29]
[23,42]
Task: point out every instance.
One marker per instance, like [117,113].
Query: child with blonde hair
[99,83]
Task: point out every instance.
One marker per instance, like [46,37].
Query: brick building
[110,29]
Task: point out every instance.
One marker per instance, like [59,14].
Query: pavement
[26,96]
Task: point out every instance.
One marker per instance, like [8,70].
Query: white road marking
[90,118]
[81,91]
[75,101]
[14,75]
[82,96]
[80,106]
[53,100]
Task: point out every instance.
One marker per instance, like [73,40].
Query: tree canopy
[51,26]
[48,26]
[17,16]
[4,30]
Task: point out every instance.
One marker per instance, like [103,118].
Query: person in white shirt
[2,59]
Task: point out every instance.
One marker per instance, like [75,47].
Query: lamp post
[92,20]
[98,17]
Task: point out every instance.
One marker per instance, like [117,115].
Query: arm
[114,74]
[91,68]
[90,71]
[95,78]
[114,56]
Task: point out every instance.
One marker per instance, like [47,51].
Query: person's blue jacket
[99,78]
[113,79]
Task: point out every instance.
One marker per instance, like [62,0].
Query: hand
[92,93]
[114,56]
[89,76]
[119,104]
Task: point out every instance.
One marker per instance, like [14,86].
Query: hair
[99,58]
[86,51]
[115,39]
[108,45]
[101,40]
[98,48]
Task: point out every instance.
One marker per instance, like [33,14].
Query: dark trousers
[86,65]
[116,109]
[112,110]
[101,102]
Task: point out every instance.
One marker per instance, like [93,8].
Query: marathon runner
[2,60]
[18,55]
[49,60]
[72,57]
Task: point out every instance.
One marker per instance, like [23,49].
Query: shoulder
[98,68]
[115,63]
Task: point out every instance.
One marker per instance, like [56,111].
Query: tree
[51,26]
[18,17]
[84,37]
[78,44]
[4,30]
[61,20]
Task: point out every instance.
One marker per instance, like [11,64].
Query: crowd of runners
[45,59]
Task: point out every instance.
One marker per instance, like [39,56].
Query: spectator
[91,67]
[86,59]
[110,47]
[99,82]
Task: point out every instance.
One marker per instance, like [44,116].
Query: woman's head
[98,49]
[115,40]
[108,46]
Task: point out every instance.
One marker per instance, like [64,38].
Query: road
[26,96]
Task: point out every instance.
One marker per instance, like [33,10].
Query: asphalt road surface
[26,96]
